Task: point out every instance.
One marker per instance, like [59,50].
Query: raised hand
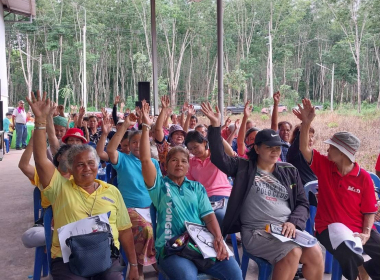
[237,124]
[122,105]
[138,114]
[165,102]
[104,113]
[191,110]
[39,105]
[247,109]
[61,110]
[130,120]
[306,112]
[106,125]
[209,113]
[53,107]
[117,99]
[185,106]
[227,122]
[82,111]
[276,98]
[145,113]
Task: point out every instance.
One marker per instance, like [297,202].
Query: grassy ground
[366,126]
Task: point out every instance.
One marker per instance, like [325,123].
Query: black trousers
[349,261]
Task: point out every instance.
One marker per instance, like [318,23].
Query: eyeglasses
[203,239]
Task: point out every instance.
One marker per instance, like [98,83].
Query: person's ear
[256,149]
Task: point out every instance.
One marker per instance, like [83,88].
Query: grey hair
[77,149]
[133,134]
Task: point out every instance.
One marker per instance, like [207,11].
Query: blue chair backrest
[108,172]
[153,216]
[37,204]
[376,181]
[48,217]
[311,187]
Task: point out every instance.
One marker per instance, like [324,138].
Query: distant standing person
[19,124]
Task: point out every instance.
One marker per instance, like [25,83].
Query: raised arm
[24,164]
[219,158]
[190,113]
[231,137]
[159,131]
[106,128]
[53,140]
[166,121]
[226,123]
[241,135]
[306,114]
[82,111]
[276,101]
[45,168]
[116,138]
[148,169]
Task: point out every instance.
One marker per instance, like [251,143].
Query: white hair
[77,149]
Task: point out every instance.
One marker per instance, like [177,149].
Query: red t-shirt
[377,167]
[342,199]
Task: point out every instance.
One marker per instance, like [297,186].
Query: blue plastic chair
[48,217]
[331,264]
[108,173]
[153,216]
[124,256]
[265,268]
[40,257]
[376,181]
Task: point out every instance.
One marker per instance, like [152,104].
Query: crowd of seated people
[179,166]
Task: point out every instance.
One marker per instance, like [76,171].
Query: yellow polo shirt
[70,203]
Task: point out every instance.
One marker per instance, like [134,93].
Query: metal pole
[3,70]
[332,89]
[154,54]
[270,57]
[219,12]
[40,74]
[84,64]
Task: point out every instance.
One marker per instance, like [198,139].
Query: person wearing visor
[346,195]
[265,191]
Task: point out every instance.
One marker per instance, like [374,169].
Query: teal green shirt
[71,125]
[175,205]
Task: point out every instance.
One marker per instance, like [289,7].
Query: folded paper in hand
[204,240]
[340,233]
[303,238]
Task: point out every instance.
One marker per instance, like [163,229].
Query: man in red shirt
[346,195]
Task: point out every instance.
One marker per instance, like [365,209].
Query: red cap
[74,132]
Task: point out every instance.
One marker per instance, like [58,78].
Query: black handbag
[187,251]
[90,253]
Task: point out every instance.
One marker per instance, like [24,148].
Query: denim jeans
[220,213]
[178,268]
[21,134]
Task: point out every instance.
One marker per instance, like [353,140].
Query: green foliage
[332,125]
[264,117]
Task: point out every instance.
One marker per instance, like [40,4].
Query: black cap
[269,137]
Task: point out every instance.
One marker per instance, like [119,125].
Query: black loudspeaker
[1,116]
[144,93]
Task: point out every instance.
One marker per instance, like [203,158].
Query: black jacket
[244,172]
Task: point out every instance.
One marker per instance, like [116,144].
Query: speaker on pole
[143,93]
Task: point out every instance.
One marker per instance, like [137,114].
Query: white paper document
[303,238]
[204,240]
[340,233]
[84,226]
[145,213]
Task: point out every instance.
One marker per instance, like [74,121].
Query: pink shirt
[206,173]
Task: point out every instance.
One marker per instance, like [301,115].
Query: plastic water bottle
[181,240]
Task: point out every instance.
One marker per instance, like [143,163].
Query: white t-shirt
[19,117]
